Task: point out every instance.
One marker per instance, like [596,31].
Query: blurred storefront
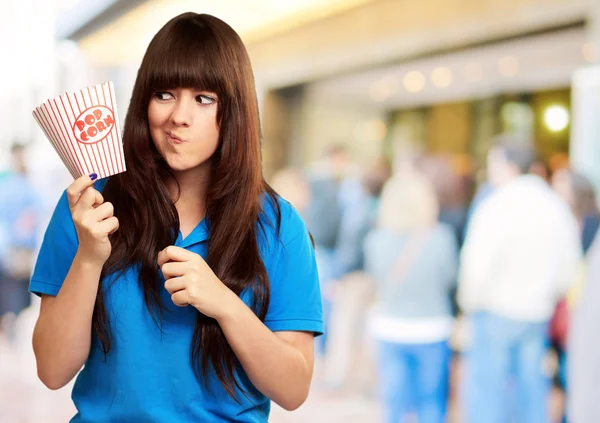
[372,74]
[445,75]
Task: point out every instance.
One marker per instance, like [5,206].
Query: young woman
[185,285]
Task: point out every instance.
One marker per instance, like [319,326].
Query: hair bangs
[185,58]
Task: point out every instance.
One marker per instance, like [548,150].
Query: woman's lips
[174,139]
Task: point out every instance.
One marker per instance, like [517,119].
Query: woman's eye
[204,99]
[163,95]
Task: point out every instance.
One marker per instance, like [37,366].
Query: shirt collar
[199,234]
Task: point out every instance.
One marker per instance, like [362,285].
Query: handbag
[408,255]
[559,324]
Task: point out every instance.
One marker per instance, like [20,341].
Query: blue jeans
[504,379]
[414,378]
[562,376]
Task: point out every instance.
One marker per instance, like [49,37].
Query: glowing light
[414,81]
[442,77]
[556,118]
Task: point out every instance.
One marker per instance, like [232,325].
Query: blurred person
[449,190]
[557,162]
[451,193]
[406,158]
[323,216]
[352,288]
[186,286]
[293,186]
[518,260]
[536,166]
[359,213]
[579,193]
[19,217]
[413,261]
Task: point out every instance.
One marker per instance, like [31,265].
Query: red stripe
[112,138]
[67,135]
[95,154]
[39,121]
[76,115]
[107,141]
[58,127]
[77,101]
[61,149]
[122,160]
[100,156]
[112,132]
[88,161]
[69,151]
[57,147]
[76,142]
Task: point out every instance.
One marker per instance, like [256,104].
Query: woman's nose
[181,115]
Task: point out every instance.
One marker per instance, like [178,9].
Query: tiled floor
[23,399]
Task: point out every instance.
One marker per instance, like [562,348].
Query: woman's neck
[190,198]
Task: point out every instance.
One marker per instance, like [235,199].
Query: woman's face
[183,126]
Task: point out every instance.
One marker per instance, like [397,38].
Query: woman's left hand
[190,281]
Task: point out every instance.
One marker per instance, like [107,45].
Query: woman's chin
[182,163]
[179,167]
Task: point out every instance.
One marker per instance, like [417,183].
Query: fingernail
[93,176]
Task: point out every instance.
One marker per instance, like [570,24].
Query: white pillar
[585,125]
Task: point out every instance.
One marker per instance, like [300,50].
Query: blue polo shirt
[147,376]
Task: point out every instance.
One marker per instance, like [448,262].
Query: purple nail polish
[93,176]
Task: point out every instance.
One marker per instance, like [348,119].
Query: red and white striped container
[84,130]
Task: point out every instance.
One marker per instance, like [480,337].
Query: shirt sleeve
[295,303]
[56,252]
[449,255]
[478,256]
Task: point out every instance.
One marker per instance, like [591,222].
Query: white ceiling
[125,40]
[529,64]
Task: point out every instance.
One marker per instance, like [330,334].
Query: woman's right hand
[94,220]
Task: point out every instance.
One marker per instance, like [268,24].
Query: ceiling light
[508,66]
[556,118]
[414,81]
[442,77]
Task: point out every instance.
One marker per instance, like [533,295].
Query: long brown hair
[199,52]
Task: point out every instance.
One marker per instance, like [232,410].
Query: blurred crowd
[20,216]
[439,290]
[443,291]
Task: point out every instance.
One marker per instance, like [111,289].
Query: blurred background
[429,145]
